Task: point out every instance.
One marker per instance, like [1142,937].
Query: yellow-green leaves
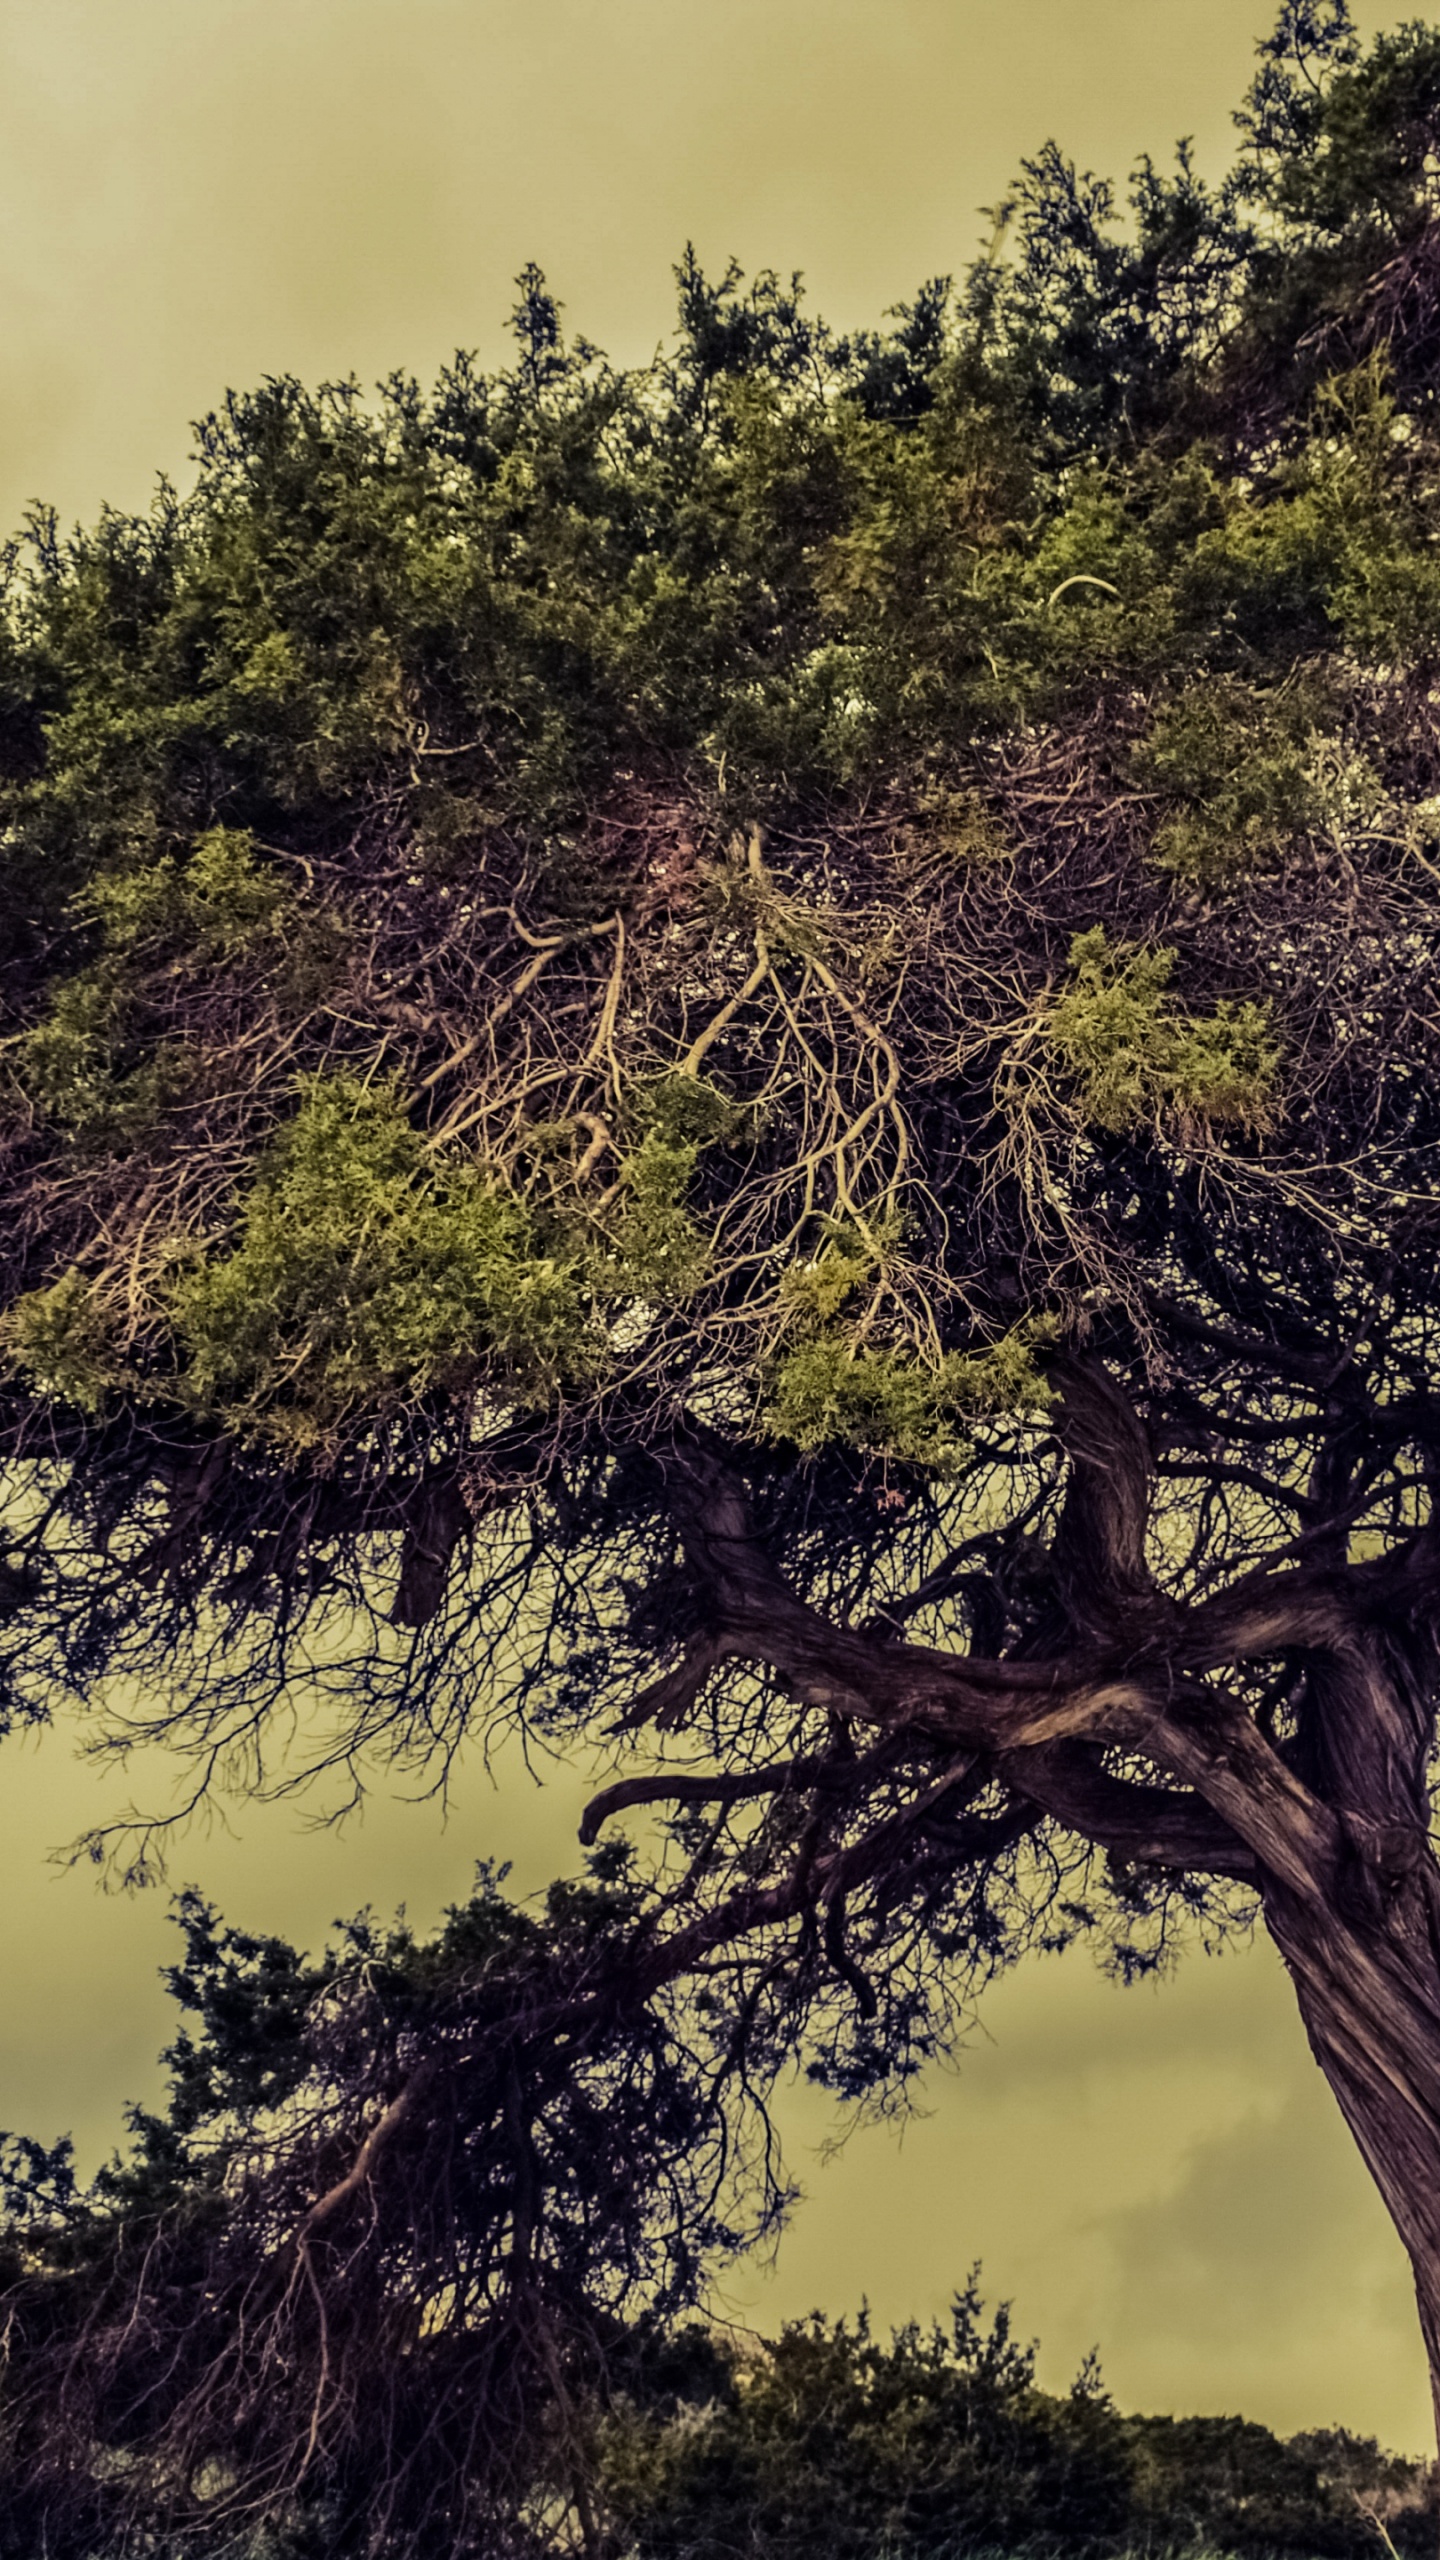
[365,1274]
[1246,773]
[891,1402]
[832,1384]
[1375,513]
[1135,1055]
[658,1250]
[93,1063]
[220,901]
[368,1271]
[61,1340]
[813,1292]
[1239,766]
[77,1068]
[652,1247]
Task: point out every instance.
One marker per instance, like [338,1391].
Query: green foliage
[829,2442]
[1367,493]
[1136,1056]
[684,1111]
[832,1388]
[891,1403]
[1243,768]
[367,1272]
[938,2444]
[1336,544]
[218,903]
[83,1069]
[815,1291]
[96,1063]
[830,1385]
[1337,159]
[655,1246]
[371,1270]
[286,762]
[62,1340]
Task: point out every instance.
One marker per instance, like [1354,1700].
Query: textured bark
[1370,1999]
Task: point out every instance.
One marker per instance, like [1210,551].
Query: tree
[745,1058]
[823,2440]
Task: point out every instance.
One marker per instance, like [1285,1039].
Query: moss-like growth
[685,1110]
[832,1386]
[952,825]
[80,1069]
[1135,1055]
[219,902]
[656,1249]
[814,1292]
[890,1403]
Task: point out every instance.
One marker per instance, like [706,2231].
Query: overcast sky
[195,193]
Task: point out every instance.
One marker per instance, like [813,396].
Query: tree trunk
[1367,1978]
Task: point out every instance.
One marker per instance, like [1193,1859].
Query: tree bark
[1337,1821]
[1369,1994]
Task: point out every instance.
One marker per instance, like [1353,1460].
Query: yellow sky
[195,193]
[199,192]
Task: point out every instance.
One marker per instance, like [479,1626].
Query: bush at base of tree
[825,2444]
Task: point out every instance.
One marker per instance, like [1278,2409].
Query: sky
[198,193]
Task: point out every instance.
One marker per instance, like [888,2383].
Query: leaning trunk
[1339,1827]
[1367,1978]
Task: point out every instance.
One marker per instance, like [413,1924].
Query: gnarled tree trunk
[1369,1993]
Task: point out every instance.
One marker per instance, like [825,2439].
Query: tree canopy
[740,1058]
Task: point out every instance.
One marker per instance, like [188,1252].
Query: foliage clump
[890,1402]
[1244,771]
[62,1339]
[98,1062]
[84,1069]
[215,904]
[1136,1056]
[827,2440]
[366,1270]
[937,2443]
[831,1385]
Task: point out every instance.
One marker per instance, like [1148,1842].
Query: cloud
[1271,2282]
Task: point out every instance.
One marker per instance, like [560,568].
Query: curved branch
[362,2167]
[705,1787]
[1153,1826]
